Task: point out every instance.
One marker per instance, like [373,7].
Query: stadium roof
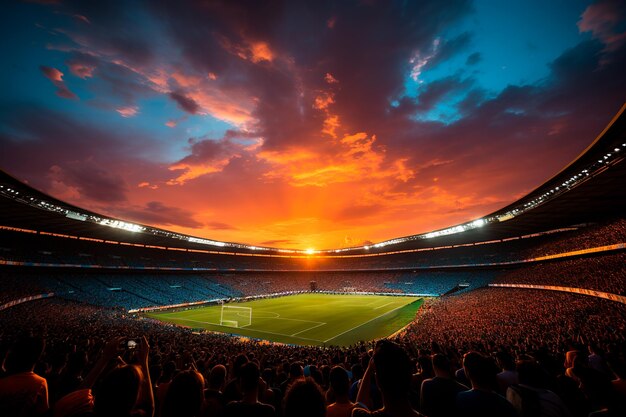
[591,188]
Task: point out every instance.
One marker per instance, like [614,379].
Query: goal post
[235,316]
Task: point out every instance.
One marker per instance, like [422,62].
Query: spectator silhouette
[249,377]
[438,394]
[392,369]
[126,390]
[118,392]
[339,386]
[530,397]
[481,400]
[22,392]
[214,398]
[185,395]
[508,376]
[304,398]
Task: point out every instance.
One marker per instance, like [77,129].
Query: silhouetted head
[296,370]
[217,377]
[240,361]
[393,369]
[478,370]
[505,361]
[441,363]
[24,354]
[305,399]
[531,374]
[185,395]
[117,393]
[339,381]
[249,377]
[425,364]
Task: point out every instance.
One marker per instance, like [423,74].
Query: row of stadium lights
[566,185]
[131,227]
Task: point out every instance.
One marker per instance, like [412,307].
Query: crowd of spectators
[591,236]
[602,273]
[492,351]
[15,286]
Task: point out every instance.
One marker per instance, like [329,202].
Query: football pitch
[305,319]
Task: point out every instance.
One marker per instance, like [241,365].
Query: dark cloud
[185,103]
[91,181]
[304,50]
[209,150]
[605,20]
[473,59]
[117,85]
[436,91]
[53,150]
[116,28]
[157,213]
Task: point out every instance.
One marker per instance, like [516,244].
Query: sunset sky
[303,124]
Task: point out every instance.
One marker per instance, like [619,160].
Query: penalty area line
[252,330]
[310,328]
[364,323]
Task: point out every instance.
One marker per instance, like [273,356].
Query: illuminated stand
[233,316]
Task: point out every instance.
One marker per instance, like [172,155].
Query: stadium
[520,312]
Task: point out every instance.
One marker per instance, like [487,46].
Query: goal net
[234,316]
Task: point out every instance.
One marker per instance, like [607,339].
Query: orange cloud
[53,74]
[232,106]
[249,50]
[330,79]
[56,77]
[330,126]
[353,158]
[184,80]
[323,101]
[81,70]
[261,52]
[128,111]
[194,171]
[146,184]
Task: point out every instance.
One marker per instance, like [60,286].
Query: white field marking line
[254,330]
[285,318]
[384,305]
[173,315]
[364,323]
[375,301]
[310,328]
[319,323]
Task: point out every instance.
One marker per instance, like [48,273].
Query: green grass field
[306,319]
